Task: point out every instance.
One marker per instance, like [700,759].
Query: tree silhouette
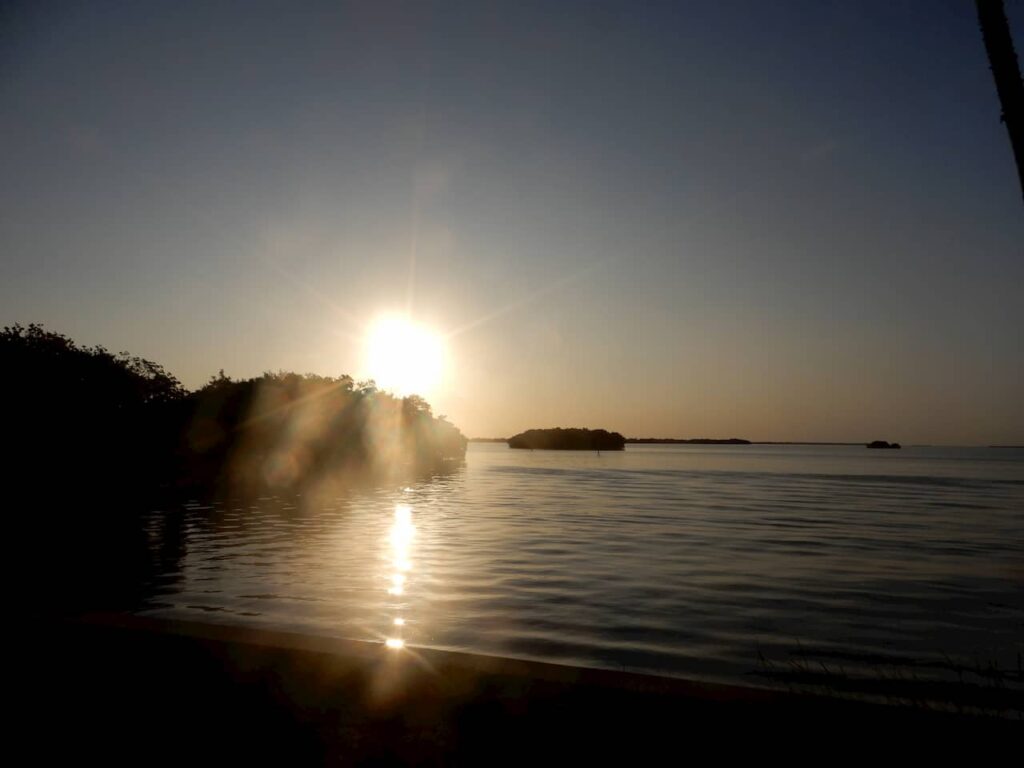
[995,30]
[108,424]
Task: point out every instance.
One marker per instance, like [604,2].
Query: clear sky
[780,221]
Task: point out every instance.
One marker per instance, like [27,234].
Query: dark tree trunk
[1003,60]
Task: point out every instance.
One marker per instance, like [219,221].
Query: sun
[404,357]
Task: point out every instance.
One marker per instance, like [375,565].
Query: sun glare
[404,357]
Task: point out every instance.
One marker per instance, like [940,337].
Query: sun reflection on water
[400,539]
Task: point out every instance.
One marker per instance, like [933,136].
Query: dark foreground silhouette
[559,439]
[1002,58]
[126,689]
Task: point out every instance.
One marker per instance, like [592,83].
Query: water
[745,564]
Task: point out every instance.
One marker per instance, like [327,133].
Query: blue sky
[781,221]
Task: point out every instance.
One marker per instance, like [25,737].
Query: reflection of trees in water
[166,539]
[167,530]
[91,558]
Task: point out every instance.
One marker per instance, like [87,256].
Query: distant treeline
[568,440]
[689,441]
[84,417]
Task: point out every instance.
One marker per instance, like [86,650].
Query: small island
[882,444]
[559,439]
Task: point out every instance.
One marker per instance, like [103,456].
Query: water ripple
[700,562]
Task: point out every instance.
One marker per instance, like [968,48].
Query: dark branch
[1003,60]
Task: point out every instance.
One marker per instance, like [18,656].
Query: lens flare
[404,357]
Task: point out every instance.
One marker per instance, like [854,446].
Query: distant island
[687,441]
[559,439]
[883,444]
[704,441]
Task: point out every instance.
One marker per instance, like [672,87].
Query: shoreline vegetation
[85,414]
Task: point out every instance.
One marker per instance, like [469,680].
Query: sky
[777,221]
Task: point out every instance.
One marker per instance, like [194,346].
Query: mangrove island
[573,439]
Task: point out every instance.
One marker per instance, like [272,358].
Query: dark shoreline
[118,684]
[693,441]
[687,441]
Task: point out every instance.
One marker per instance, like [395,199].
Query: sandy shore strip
[125,687]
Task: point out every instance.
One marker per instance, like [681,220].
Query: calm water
[722,563]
